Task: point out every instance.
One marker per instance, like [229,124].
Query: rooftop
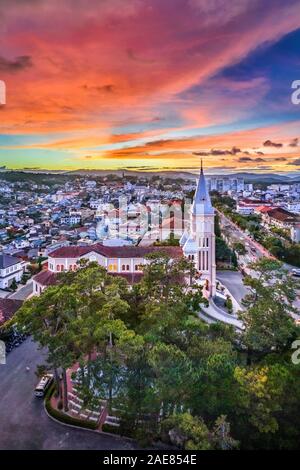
[282,215]
[7,260]
[8,308]
[114,251]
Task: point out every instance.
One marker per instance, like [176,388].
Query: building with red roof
[280,218]
[125,261]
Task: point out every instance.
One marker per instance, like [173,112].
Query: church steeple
[202,203]
[198,243]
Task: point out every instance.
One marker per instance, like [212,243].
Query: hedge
[62,416]
[111,429]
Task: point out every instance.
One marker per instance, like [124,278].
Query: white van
[43,385]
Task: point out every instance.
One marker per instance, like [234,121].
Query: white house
[10,268]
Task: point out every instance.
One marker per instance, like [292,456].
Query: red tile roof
[114,251]
[282,215]
[248,201]
[70,252]
[46,278]
[8,308]
[263,209]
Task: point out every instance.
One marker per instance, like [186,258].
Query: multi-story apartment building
[225,184]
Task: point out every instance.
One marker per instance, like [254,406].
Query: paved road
[254,249]
[24,292]
[4,294]
[233,280]
[23,422]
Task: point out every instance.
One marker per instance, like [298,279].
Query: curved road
[233,280]
[24,424]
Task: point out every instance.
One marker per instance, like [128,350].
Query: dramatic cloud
[218,152]
[15,65]
[269,143]
[157,82]
[249,159]
[109,88]
[294,142]
[295,162]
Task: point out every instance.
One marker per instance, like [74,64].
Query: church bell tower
[199,244]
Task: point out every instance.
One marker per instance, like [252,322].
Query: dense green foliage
[224,254]
[170,375]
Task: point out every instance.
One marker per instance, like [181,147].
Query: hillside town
[215,234]
[45,223]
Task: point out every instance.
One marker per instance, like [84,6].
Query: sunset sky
[150,84]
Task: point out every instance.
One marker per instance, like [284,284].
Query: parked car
[43,385]
[296,272]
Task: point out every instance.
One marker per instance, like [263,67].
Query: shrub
[228,304]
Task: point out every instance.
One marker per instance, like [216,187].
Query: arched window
[128,267]
[123,267]
[58,267]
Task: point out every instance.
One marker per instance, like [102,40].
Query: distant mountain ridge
[251,177]
[188,175]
